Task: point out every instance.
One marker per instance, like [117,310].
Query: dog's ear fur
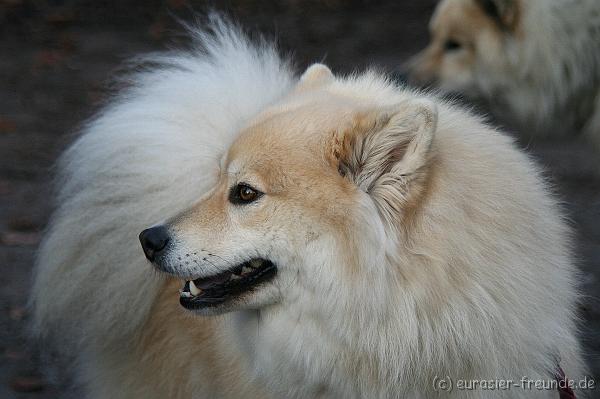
[386,152]
[504,12]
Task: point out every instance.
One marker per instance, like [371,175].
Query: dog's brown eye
[243,194]
[247,194]
[452,45]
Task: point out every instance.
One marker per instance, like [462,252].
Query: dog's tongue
[205,283]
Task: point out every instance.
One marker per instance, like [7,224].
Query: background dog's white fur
[552,79]
[491,291]
[542,72]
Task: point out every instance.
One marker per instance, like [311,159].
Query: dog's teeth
[234,277]
[194,290]
[255,263]
[246,270]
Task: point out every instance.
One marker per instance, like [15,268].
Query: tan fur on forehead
[298,128]
[284,151]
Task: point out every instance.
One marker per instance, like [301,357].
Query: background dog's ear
[315,75]
[386,152]
[504,12]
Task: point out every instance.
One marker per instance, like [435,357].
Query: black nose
[154,240]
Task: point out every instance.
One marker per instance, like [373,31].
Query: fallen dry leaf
[7,125]
[17,313]
[13,354]
[11,3]
[157,29]
[27,383]
[22,224]
[177,4]
[15,238]
[5,187]
[48,59]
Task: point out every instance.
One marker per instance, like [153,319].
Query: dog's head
[304,201]
[470,47]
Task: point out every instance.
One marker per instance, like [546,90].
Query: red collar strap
[564,390]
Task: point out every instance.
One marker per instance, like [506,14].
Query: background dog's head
[305,200]
[471,43]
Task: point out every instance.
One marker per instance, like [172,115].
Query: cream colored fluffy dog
[536,62]
[320,237]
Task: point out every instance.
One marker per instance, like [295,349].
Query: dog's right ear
[386,152]
[504,12]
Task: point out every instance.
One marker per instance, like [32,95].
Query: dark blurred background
[56,58]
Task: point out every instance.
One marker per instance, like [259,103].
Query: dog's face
[287,215]
[470,42]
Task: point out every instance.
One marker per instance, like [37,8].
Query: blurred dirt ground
[56,57]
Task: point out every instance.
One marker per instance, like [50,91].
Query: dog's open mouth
[215,290]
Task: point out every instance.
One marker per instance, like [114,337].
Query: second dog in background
[535,62]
